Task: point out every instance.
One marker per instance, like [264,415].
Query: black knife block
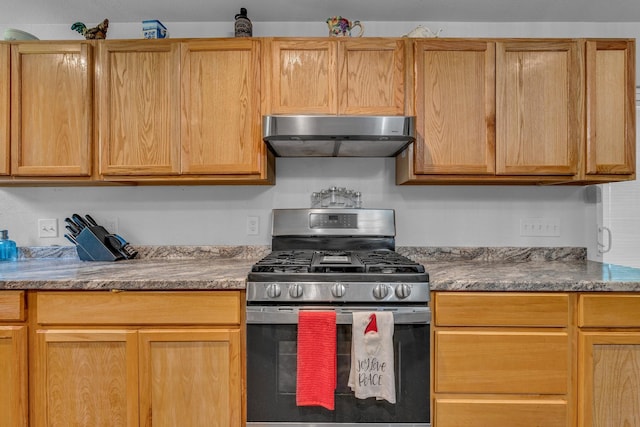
[92,245]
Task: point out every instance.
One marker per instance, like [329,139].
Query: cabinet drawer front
[139,308]
[489,413]
[501,362]
[501,309]
[12,305]
[616,311]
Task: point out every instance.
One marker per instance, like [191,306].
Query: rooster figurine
[95,33]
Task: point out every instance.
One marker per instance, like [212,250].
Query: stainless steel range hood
[337,136]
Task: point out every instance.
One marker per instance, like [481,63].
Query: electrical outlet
[540,227]
[253,225]
[48,228]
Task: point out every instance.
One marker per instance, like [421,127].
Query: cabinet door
[51,109]
[139,107]
[86,378]
[371,76]
[609,379]
[4,109]
[221,131]
[190,377]
[303,76]
[539,104]
[611,126]
[13,376]
[455,107]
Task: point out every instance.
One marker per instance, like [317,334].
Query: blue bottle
[8,248]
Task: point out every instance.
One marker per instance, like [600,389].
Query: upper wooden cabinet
[455,107]
[5,142]
[515,111]
[335,76]
[177,111]
[51,109]
[610,77]
[221,130]
[538,106]
[138,93]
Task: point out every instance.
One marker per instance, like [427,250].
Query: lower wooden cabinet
[142,367]
[13,360]
[13,371]
[478,412]
[609,360]
[502,359]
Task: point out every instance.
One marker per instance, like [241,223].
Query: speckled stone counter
[226,267]
[155,268]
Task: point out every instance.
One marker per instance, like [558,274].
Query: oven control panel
[294,292]
[333,220]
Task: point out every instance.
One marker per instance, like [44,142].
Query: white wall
[426,215]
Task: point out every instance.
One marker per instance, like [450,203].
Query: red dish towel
[316,380]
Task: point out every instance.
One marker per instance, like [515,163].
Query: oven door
[271,371]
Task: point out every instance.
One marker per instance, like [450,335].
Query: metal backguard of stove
[338,257]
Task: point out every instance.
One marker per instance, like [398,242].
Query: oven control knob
[403,291]
[273,290]
[380,291]
[295,290]
[338,290]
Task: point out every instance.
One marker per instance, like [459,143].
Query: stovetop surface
[337,265]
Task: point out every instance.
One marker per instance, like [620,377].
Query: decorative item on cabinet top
[341,27]
[95,33]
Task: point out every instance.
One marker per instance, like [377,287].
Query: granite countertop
[226,267]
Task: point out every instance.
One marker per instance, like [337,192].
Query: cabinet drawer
[501,309]
[501,362]
[139,308]
[490,413]
[615,311]
[12,306]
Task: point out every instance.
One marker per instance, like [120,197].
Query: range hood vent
[337,136]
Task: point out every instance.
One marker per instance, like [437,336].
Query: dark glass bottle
[243,25]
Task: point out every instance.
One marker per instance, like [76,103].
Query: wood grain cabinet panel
[330,76]
[12,306]
[13,376]
[501,362]
[5,108]
[371,76]
[504,412]
[136,359]
[455,107]
[608,360]
[51,109]
[138,308]
[610,78]
[190,377]
[303,76]
[508,309]
[221,132]
[609,379]
[538,107]
[86,377]
[138,107]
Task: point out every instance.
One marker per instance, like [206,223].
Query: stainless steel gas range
[340,260]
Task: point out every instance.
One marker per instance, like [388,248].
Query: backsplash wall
[217,215]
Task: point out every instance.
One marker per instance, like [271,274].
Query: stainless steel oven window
[271,374]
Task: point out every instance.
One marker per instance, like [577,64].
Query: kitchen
[435,216]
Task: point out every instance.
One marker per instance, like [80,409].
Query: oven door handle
[344,315]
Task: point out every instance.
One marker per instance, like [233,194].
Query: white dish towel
[372,369]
